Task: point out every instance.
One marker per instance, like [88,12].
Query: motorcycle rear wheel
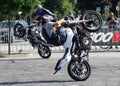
[44,51]
[95,22]
[19,31]
[79,71]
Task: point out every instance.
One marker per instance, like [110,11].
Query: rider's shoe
[56,70]
[111,47]
[116,47]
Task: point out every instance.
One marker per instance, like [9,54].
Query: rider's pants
[67,45]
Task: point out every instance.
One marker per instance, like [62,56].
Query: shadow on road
[20,59]
[30,82]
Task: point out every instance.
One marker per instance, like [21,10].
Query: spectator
[112,21]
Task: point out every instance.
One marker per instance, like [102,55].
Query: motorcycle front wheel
[94,22]
[79,71]
[44,51]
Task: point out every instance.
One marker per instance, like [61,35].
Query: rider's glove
[32,24]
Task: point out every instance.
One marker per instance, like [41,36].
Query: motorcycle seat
[48,39]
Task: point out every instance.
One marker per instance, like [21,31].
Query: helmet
[37,7]
[46,18]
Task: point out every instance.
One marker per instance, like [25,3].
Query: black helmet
[37,7]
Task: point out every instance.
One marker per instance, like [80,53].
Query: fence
[106,36]
[103,37]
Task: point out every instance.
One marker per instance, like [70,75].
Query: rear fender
[22,22]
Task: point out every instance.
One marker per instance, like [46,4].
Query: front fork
[78,50]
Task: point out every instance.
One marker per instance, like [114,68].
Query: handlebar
[79,21]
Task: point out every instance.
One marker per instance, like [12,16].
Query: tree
[14,6]
[92,4]
[60,7]
[113,6]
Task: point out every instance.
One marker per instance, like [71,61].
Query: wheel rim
[79,69]
[44,52]
[94,23]
[19,31]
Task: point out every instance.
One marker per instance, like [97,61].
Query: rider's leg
[67,56]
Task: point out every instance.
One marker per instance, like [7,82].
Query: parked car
[4,30]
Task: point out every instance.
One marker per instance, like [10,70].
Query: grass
[20,51]
[2,54]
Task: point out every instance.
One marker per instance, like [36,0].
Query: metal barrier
[103,37]
[107,36]
[23,46]
[16,47]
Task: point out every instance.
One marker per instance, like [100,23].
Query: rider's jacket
[43,12]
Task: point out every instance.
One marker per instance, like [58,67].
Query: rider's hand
[32,24]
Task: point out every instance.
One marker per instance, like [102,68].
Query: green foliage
[12,7]
[2,54]
[104,17]
[20,51]
[92,4]
[60,7]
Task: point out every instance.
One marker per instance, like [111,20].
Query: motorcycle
[34,38]
[78,68]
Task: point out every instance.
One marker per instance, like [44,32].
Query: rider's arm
[60,22]
[35,18]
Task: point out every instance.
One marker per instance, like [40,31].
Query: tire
[44,52]
[19,30]
[95,23]
[79,71]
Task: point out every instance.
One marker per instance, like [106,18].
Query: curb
[29,55]
[17,55]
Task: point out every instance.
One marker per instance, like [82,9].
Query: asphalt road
[35,71]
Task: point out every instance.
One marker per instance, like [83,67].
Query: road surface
[35,71]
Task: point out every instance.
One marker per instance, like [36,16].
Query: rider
[49,27]
[39,11]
